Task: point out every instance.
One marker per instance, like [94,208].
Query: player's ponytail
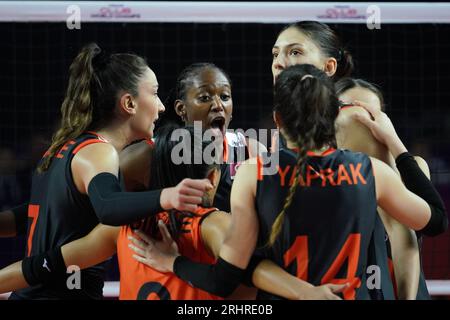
[345,65]
[95,83]
[306,102]
[76,108]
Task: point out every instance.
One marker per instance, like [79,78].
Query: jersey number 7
[33,213]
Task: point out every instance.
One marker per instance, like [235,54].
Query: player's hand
[381,127]
[324,292]
[159,255]
[186,195]
[275,142]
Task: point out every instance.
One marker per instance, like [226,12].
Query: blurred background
[409,60]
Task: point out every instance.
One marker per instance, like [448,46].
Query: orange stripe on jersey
[149,142]
[86,143]
[312,154]
[259,166]
[225,149]
[323,154]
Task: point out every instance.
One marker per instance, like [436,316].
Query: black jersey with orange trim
[141,282]
[328,226]
[235,152]
[379,285]
[58,214]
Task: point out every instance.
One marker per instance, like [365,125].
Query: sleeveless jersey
[58,214]
[328,226]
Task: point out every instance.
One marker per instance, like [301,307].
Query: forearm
[90,250]
[406,259]
[11,278]
[116,207]
[85,252]
[396,146]
[220,279]
[417,182]
[271,278]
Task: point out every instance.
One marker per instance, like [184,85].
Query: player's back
[141,282]
[328,226]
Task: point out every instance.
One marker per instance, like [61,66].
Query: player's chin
[150,131]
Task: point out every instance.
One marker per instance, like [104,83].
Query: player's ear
[277,119]
[180,109]
[330,66]
[127,104]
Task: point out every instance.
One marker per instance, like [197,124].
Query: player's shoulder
[140,151]
[97,149]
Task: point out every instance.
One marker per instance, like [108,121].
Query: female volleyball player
[203,95]
[199,234]
[111,100]
[316,43]
[352,135]
[317,215]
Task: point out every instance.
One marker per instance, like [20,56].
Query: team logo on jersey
[45,265]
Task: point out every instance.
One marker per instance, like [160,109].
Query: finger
[274,142]
[137,242]
[336,288]
[374,111]
[188,191]
[141,259]
[143,236]
[364,120]
[164,232]
[190,200]
[139,251]
[203,184]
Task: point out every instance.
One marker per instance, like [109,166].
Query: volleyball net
[403,47]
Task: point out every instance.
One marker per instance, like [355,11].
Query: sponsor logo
[116,11]
[343,12]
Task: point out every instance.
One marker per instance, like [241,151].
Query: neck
[117,135]
[293,145]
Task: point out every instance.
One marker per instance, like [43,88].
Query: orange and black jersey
[235,152]
[328,226]
[58,214]
[141,282]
